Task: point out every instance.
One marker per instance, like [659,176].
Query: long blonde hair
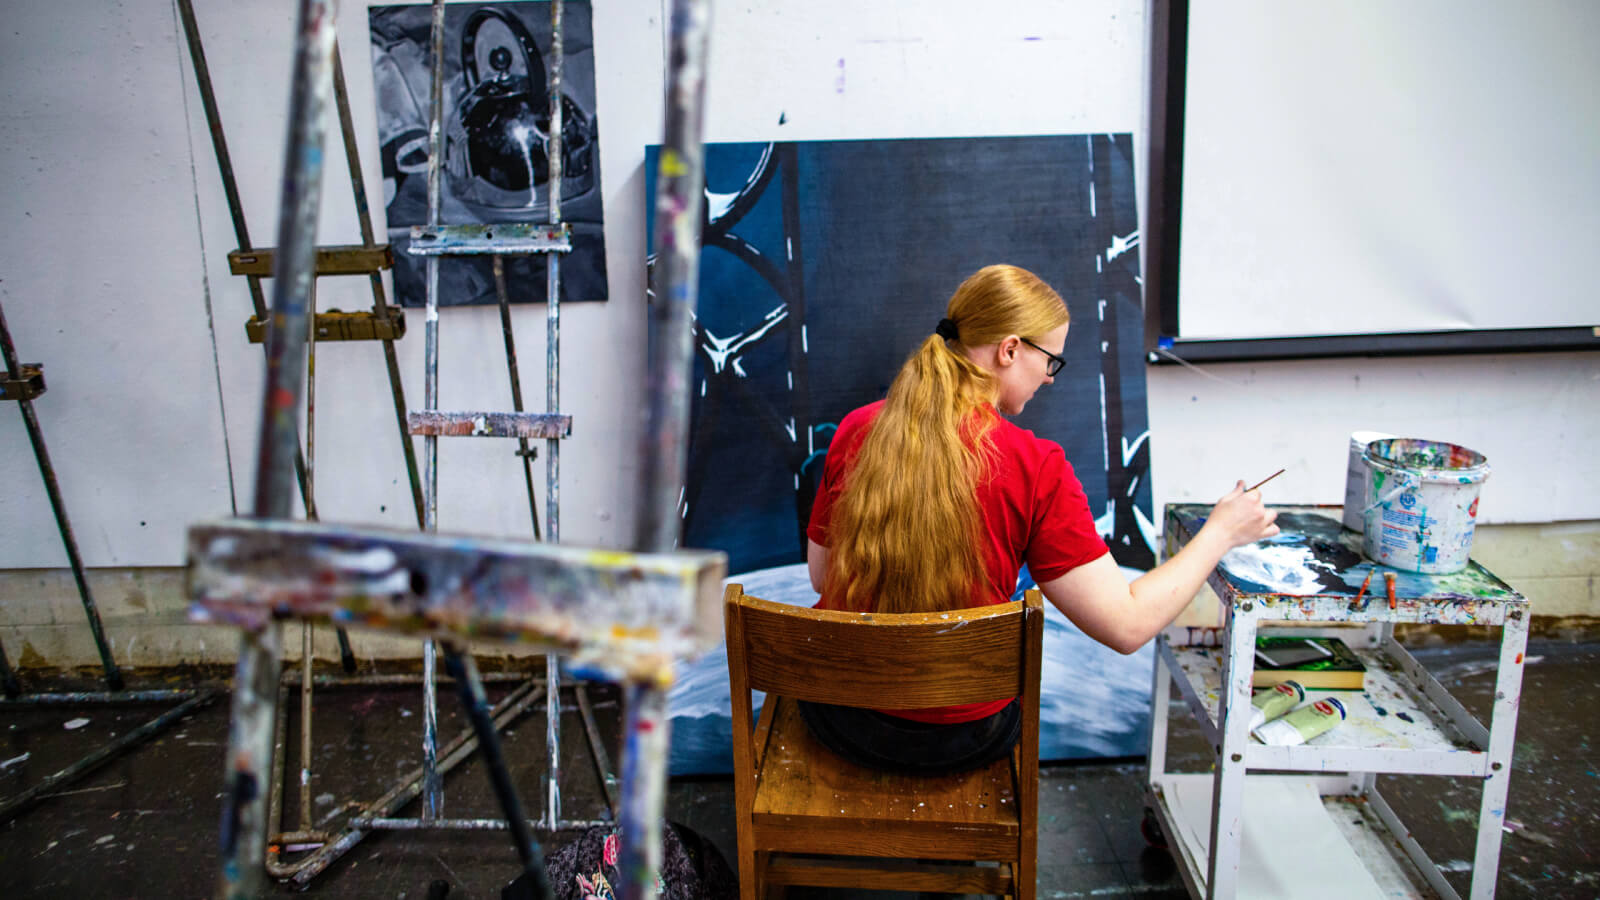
[906,530]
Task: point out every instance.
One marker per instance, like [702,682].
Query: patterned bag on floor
[691,867]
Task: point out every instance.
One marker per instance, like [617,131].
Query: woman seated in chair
[930,500]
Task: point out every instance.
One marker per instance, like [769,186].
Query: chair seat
[809,799]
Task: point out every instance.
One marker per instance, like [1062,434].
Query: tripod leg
[534,882]
[48,472]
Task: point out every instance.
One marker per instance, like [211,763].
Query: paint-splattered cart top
[1313,570]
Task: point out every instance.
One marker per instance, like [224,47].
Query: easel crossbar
[504,239]
[623,613]
[490,424]
[351,259]
[336,325]
[27,384]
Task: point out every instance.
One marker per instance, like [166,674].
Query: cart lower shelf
[1288,849]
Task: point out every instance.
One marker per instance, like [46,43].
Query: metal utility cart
[1312,578]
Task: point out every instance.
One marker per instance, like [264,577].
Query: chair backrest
[891,661]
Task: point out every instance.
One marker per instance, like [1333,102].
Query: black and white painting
[496,115]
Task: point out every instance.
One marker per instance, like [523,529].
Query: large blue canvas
[824,264]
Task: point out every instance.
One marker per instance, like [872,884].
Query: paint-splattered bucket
[1422,504]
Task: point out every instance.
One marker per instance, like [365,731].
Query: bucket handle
[1407,481]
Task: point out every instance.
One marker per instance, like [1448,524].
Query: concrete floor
[146,823]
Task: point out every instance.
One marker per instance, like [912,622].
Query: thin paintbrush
[1264,481]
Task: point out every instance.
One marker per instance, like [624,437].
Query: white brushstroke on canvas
[1129,451]
[720,350]
[1121,245]
[717,205]
[1281,568]
[523,135]
[1147,528]
[1105,458]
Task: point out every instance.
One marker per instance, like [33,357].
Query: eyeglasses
[1054,365]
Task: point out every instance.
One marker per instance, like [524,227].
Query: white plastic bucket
[1422,504]
[1355,478]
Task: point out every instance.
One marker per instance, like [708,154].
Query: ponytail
[907,532]
[907,519]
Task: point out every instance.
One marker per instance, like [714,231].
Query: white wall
[101,276]
[118,235]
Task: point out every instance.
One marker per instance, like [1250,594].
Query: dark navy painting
[824,264]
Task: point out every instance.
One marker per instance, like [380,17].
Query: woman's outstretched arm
[1124,616]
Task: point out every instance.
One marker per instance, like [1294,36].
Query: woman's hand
[1241,518]
[1123,616]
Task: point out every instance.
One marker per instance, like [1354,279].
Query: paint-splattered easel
[386,323]
[22,383]
[628,615]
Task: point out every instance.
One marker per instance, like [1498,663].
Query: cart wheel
[1150,827]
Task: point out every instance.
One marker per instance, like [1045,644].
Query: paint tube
[1303,724]
[1273,701]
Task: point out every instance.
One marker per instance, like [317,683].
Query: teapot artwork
[495,136]
[494,127]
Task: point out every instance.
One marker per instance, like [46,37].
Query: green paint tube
[1273,701]
[1303,724]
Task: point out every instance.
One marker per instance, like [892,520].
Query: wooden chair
[798,803]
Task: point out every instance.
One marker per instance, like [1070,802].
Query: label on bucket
[1403,531]
[1422,501]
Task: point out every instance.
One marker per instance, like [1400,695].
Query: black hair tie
[947,330]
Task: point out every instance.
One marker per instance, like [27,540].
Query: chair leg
[1026,876]
[766,891]
[749,873]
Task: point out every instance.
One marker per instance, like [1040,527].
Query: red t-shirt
[1033,509]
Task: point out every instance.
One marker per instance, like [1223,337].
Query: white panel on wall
[101,281]
[1370,166]
[836,69]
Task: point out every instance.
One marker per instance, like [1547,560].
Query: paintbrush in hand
[1264,481]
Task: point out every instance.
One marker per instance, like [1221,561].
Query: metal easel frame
[368,258]
[433,241]
[629,615]
[22,383]
[385,323]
